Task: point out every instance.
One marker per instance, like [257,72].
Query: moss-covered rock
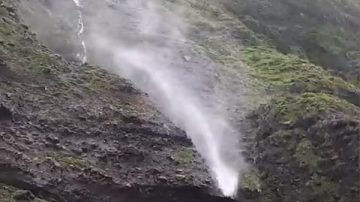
[306,147]
[294,108]
[296,137]
[295,75]
[185,156]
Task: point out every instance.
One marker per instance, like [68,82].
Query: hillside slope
[325,32]
[73,132]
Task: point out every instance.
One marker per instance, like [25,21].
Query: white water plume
[145,56]
[82,56]
[183,109]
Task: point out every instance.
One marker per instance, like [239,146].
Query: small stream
[82,55]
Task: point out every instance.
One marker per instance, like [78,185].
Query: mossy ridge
[291,73]
[291,109]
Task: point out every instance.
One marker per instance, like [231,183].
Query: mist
[146,43]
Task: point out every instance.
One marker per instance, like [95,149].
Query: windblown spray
[143,51]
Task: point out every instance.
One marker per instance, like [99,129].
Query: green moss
[184,156]
[3,12]
[41,61]
[67,160]
[285,138]
[7,33]
[96,79]
[306,157]
[6,193]
[290,73]
[323,188]
[291,109]
[250,180]
[72,162]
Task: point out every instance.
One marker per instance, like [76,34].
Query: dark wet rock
[23,196]
[5,113]
[52,139]
[163,179]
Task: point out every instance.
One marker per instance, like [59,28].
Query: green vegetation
[184,156]
[294,108]
[97,79]
[306,157]
[66,160]
[323,188]
[7,33]
[210,30]
[290,73]
[41,61]
[72,162]
[7,194]
[293,132]
[250,180]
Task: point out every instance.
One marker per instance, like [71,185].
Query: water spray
[178,104]
[141,47]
